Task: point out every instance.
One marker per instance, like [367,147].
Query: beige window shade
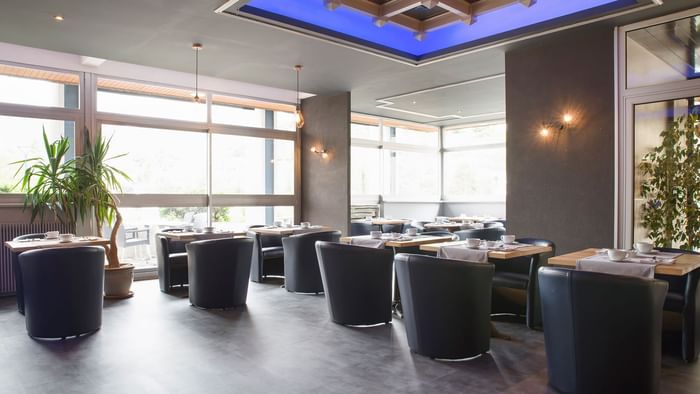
[44,75]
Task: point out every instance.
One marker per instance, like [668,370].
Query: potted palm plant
[80,189]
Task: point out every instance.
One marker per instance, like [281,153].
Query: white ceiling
[159,33]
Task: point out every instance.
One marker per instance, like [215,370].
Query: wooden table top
[470,219]
[445,226]
[289,230]
[417,241]
[23,246]
[195,236]
[381,221]
[494,254]
[683,265]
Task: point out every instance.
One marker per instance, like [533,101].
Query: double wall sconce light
[322,152]
[556,127]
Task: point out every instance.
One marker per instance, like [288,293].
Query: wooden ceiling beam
[479,8]
[460,8]
[396,7]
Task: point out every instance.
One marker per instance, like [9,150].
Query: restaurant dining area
[350,196]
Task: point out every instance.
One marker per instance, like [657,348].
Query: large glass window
[23,140]
[411,175]
[240,218]
[366,170]
[474,163]
[476,175]
[365,131]
[247,165]
[411,137]
[132,98]
[40,88]
[159,161]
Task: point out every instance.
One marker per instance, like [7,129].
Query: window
[178,166]
[40,88]
[396,159]
[402,135]
[366,164]
[411,175]
[474,163]
[247,165]
[133,98]
[365,131]
[236,111]
[240,218]
[24,141]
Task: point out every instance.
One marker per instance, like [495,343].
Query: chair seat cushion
[178,259]
[273,252]
[511,280]
[674,302]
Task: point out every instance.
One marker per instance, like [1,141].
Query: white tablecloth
[601,263]
[367,242]
[460,252]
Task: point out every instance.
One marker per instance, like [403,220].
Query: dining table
[189,236]
[495,253]
[683,264]
[686,268]
[18,247]
[289,230]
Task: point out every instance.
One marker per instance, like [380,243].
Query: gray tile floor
[280,343]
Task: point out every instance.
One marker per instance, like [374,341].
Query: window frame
[88,116]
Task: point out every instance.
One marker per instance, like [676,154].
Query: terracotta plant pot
[118,281]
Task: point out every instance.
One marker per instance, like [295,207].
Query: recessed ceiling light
[58,18]
[414,101]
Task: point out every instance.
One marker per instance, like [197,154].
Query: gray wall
[325,183]
[562,189]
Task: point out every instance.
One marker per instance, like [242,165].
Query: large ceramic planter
[118,281]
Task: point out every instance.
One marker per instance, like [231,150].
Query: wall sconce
[557,126]
[322,152]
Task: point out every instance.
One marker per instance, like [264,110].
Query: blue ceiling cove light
[351,25]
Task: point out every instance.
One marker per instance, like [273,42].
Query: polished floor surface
[279,343]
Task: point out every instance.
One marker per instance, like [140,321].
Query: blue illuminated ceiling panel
[339,20]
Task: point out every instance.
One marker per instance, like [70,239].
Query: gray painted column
[325,183]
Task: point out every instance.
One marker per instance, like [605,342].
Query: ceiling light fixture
[197,47]
[299,117]
[58,18]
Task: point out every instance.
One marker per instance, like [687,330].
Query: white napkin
[367,242]
[459,252]
[598,263]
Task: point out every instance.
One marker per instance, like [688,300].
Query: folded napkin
[459,252]
[510,246]
[367,242]
[599,263]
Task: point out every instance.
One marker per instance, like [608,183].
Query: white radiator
[10,231]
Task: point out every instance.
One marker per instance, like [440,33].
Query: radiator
[7,233]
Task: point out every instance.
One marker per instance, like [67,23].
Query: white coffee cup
[473,242]
[644,247]
[65,237]
[277,223]
[412,231]
[52,234]
[617,254]
[508,239]
[305,224]
[188,228]
[208,230]
[375,234]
